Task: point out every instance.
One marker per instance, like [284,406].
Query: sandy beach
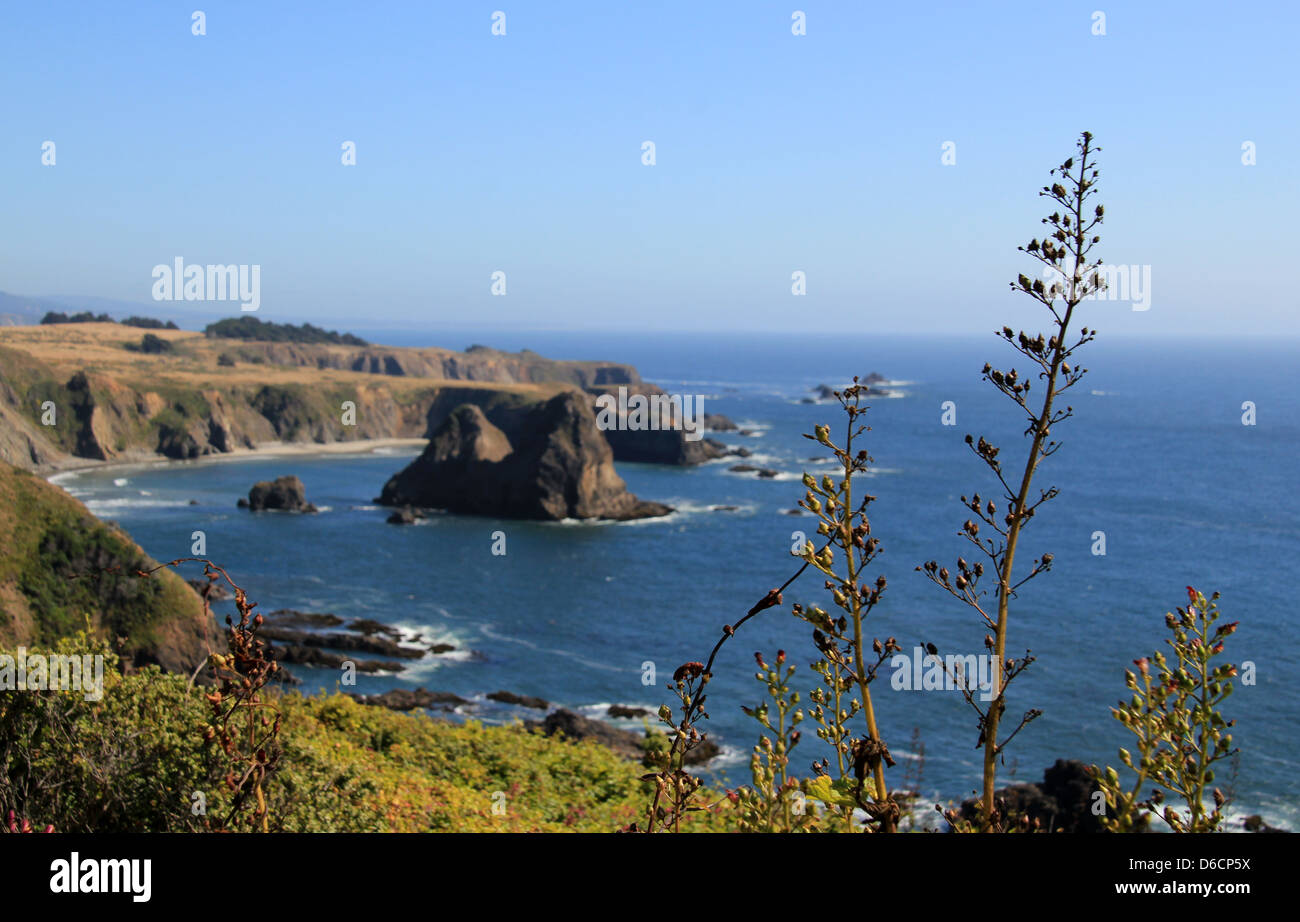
[73,465]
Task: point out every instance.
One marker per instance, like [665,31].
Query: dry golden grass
[100,348]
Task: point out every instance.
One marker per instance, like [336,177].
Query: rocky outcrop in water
[284,494]
[523,701]
[1061,802]
[552,463]
[627,744]
[662,446]
[404,699]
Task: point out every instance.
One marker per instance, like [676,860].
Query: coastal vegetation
[145,323]
[137,761]
[1180,730]
[266,331]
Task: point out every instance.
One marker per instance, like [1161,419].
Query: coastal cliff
[77,393]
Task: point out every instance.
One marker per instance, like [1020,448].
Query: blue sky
[775,153]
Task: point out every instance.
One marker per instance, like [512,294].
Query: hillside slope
[61,568]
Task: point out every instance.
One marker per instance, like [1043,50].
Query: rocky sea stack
[286,494]
[550,462]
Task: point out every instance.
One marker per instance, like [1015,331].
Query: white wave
[833,467]
[420,670]
[567,654]
[675,516]
[600,711]
[728,757]
[103,505]
[690,507]
[572,523]
[428,633]
[120,481]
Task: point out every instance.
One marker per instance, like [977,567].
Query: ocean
[1157,458]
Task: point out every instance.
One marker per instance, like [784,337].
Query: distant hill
[27,310]
[23,310]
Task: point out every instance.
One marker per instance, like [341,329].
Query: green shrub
[133,762]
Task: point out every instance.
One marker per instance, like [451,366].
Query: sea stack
[552,464]
[285,494]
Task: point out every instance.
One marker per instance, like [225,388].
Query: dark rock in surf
[625,743]
[284,494]
[408,699]
[1061,802]
[524,701]
[554,464]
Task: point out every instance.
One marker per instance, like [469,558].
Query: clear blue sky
[775,153]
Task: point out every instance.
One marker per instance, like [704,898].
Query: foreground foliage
[136,761]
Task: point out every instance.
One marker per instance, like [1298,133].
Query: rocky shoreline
[326,640]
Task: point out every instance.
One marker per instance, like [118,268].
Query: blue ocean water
[1157,457]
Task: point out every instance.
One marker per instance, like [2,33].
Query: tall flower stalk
[1071,278]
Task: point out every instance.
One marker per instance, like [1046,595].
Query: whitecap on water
[98,505]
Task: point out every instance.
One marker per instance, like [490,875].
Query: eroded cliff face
[476,364]
[91,399]
[548,462]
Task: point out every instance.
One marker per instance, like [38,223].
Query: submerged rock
[527,701]
[553,464]
[764,472]
[302,655]
[286,616]
[625,743]
[404,516]
[338,640]
[407,699]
